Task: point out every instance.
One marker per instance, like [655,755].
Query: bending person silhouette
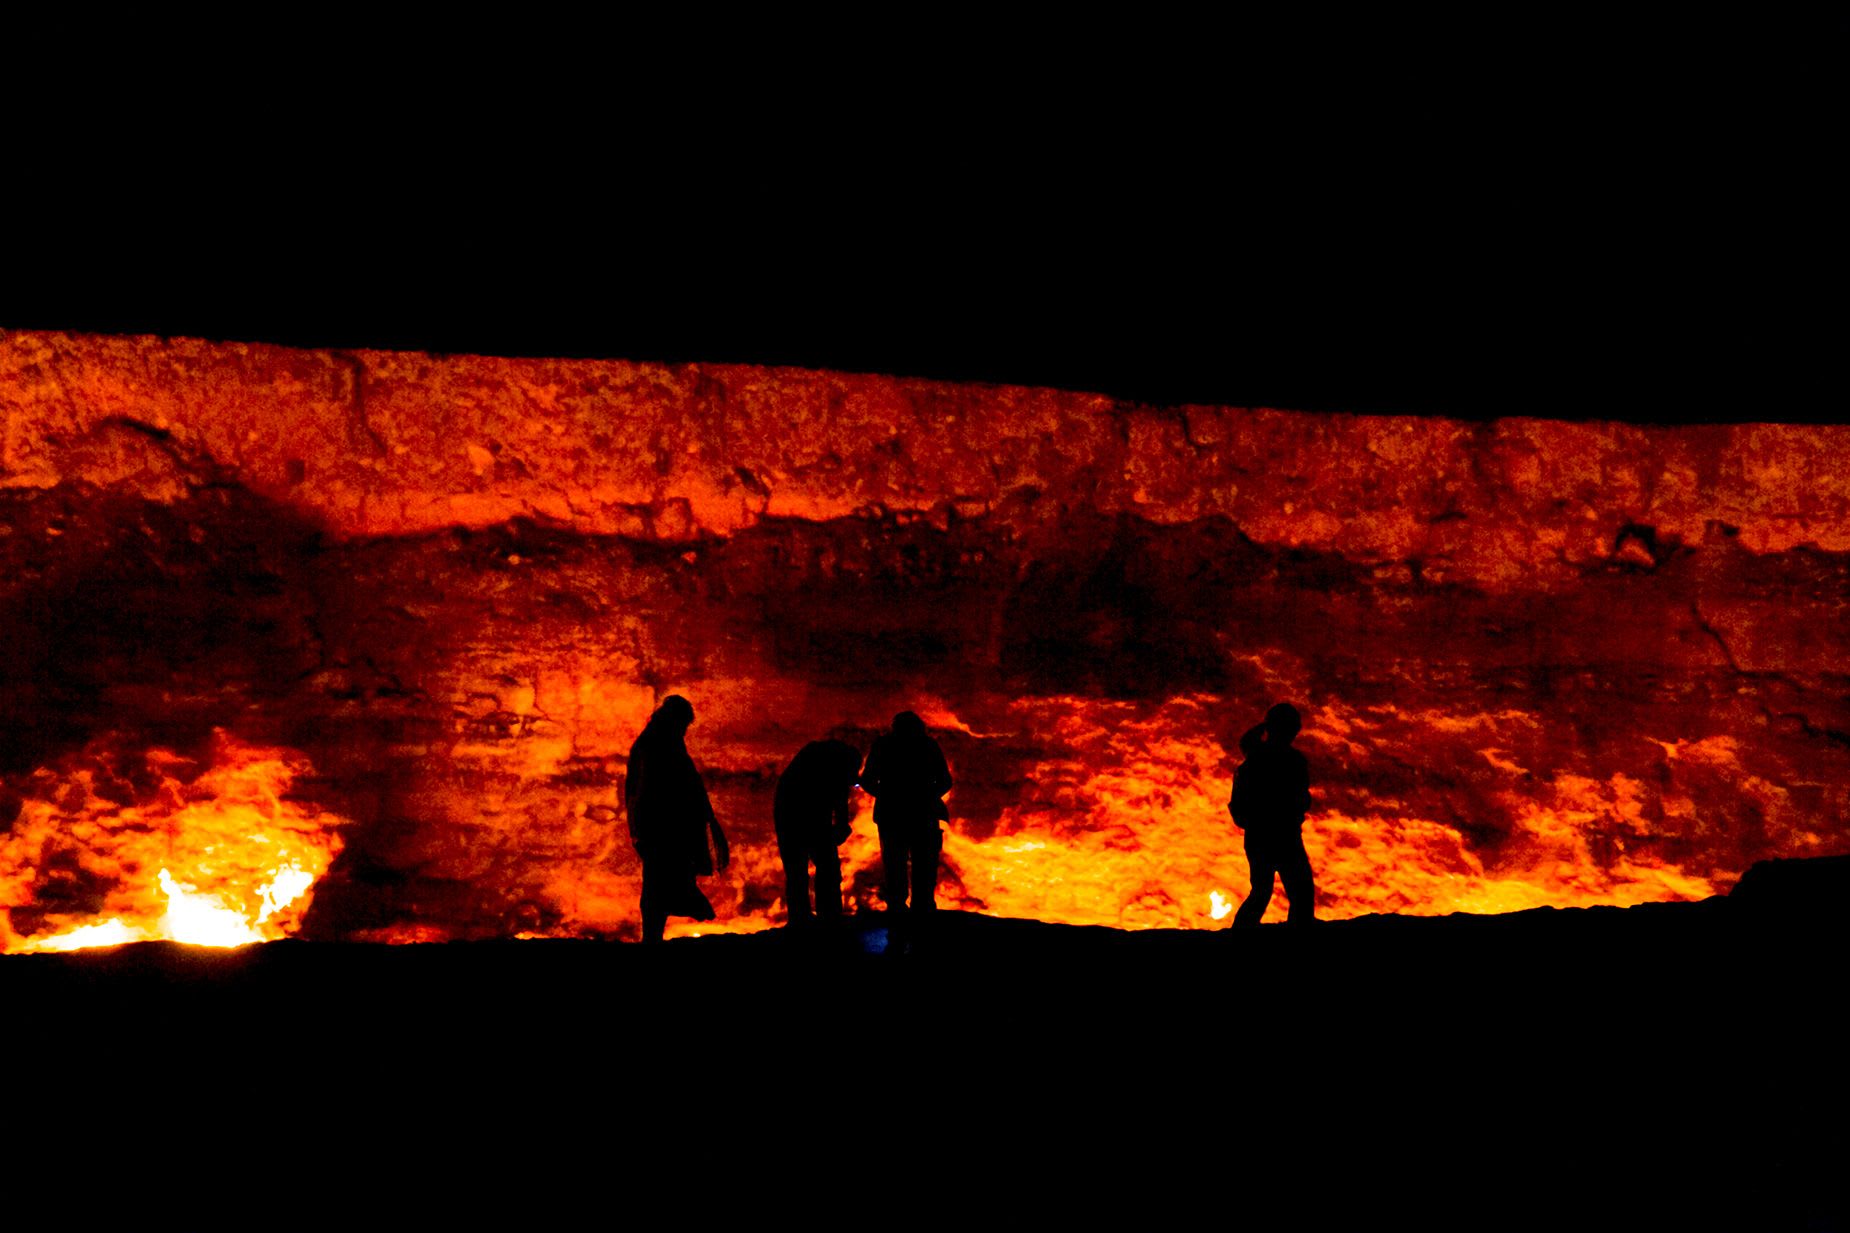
[1271,794]
[907,777]
[669,817]
[812,817]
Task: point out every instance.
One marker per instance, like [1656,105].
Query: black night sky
[1629,221]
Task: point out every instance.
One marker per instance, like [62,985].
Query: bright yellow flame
[201,920]
[706,928]
[290,884]
[191,917]
[1219,906]
[232,858]
[112,932]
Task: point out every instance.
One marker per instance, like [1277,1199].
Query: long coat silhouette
[669,818]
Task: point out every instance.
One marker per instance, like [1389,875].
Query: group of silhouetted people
[905,772]
[671,817]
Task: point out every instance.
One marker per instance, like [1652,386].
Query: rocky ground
[1666,1064]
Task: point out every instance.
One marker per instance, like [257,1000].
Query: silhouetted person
[1271,794]
[812,817]
[669,817]
[907,777]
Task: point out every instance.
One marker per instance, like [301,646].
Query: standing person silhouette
[1271,794]
[669,817]
[812,816]
[907,777]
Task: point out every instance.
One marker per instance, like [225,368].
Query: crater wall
[1541,662]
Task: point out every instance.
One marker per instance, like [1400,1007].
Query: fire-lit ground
[1608,1068]
[390,623]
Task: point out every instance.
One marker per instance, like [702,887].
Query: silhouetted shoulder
[820,772]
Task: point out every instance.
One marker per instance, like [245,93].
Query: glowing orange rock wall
[370,443]
[1541,662]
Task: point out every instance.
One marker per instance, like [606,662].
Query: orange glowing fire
[1137,835]
[1129,827]
[111,847]
[1122,822]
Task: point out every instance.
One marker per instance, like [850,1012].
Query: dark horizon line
[1344,370]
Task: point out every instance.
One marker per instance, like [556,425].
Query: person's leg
[893,870]
[1260,863]
[828,881]
[927,842]
[796,880]
[1300,887]
[654,911]
[694,903]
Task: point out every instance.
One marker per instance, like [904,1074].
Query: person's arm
[722,854]
[1254,740]
[787,803]
[844,818]
[941,778]
[632,794]
[870,774]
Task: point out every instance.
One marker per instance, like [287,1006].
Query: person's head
[907,723]
[675,713]
[1282,724]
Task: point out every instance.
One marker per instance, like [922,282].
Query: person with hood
[1271,795]
[669,817]
[812,815]
[907,776]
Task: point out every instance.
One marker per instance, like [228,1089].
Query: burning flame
[1122,821]
[1131,830]
[112,932]
[208,852]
